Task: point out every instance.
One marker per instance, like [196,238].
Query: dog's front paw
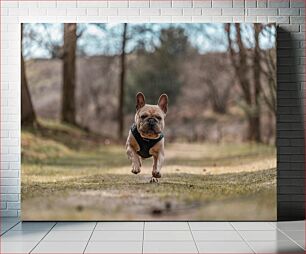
[156,174]
[153,180]
[135,170]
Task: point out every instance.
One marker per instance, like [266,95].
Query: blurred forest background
[220,78]
[79,83]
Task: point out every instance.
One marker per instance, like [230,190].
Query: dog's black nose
[151,121]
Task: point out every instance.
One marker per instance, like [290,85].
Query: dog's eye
[143,116]
[158,118]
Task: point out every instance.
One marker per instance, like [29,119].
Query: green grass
[70,174]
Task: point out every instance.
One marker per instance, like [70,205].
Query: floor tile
[69,236]
[252,226]
[167,236]
[120,226]
[114,247]
[33,226]
[223,247]
[63,226]
[99,236]
[17,247]
[60,247]
[216,236]
[273,235]
[297,235]
[23,236]
[291,225]
[166,226]
[169,247]
[211,226]
[276,247]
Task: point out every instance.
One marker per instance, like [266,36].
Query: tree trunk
[121,85]
[28,116]
[250,92]
[257,84]
[69,70]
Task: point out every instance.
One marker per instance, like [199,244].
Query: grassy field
[68,174]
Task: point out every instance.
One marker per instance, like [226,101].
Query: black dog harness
[145,144]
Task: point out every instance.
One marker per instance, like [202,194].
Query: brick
[128,11]
[233,11]
[66,4]
[223,19]
[181,3]
[202,19]
[297,19]
[38,11]
[161,19]
[117,19]
[138,19]
[9,213]
[262,3]
[238,19]
[172,11]
[250,3]
[76,12]
[222,3]
[9,181]
[182,19]
[92,4]
[9,4]
[47,4]
[291,198]
[108,11]
[279,20]
[13,205]
[288,11]
[92,11]
[10,189]
[118,4]
[160,3]
[290,150]
[211,12]
[192,11]
[9,197]
[18,12]
[278,3]
[252,19]
[297,3]
[262,12]
[238,3]
[56,12]
[290,27]
[139,4]
[202,3]
[9,173]
[28,4]
[2,206]
[150,12]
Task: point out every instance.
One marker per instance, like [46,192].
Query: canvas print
[148,121]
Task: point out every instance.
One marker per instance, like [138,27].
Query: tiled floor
[152,237]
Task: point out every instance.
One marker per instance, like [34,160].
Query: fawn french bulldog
[146,137]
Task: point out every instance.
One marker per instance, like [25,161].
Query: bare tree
[69,72]
[250,90]
[121,84]
[28,116]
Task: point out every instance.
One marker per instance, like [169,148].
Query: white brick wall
[288,13]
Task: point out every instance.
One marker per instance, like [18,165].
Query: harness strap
[145,144]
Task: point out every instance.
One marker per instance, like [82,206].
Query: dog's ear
[140,100]
[163,102]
